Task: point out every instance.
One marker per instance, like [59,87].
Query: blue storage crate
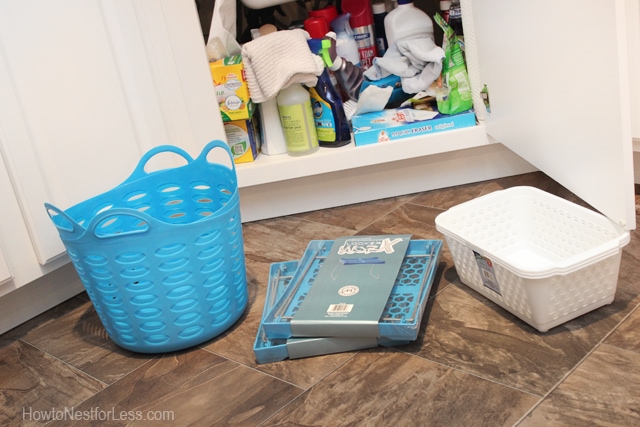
[161,255]
[267,350]
[402,314]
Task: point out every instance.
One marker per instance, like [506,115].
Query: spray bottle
[346,45]
[361,21]
[331,122]
[350,77]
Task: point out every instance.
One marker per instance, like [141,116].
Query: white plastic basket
[542,258]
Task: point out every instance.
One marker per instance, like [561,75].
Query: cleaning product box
[232,89]
[390,125]
[243,137]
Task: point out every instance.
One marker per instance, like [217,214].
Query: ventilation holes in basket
[224,190]
[170,249]
[200,186]
[169,188]
[208,238]
[103,208]
[132,197]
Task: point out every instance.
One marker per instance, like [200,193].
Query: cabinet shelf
[269,169]
[280,185]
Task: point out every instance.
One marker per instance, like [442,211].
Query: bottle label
[366,45]
[298,127]
[323,117]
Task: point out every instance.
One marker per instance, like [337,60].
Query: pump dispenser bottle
[296,117]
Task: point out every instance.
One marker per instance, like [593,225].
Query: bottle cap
[360,11]
[404,2]
[317,27]
[329,13]
[378,8]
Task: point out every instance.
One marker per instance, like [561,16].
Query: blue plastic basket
[161,255]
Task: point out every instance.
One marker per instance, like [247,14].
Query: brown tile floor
[473,364]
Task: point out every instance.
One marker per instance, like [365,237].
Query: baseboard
[38,296]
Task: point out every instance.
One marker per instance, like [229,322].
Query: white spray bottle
[346,46]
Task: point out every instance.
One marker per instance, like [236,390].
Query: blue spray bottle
[328,111]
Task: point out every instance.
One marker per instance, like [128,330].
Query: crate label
[487,273]
[352,288]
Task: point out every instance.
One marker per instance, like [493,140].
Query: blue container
[161,255]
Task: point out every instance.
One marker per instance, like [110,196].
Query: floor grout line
[576,366]
[69,365]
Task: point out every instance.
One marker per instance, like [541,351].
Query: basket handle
[65,224]
[216,143]
[105,218]
[140,172]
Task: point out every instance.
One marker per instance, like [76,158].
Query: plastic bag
[455,95]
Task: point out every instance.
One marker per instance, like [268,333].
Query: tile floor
[473,364]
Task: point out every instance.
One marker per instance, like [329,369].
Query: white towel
[277,60]
[417,61]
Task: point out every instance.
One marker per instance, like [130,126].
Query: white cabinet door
[87,87]
[557,75]
[5,271]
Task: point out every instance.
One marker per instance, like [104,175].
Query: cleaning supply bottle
[405,21]
[329,13]
[455,18]
[349,76]
[346,45]
[273,141]
[361,21]
[445,6]
[296,117]
[331,122]
[379,13]
[316,27]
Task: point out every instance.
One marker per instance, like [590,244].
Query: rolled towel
[417,61]
[277,60]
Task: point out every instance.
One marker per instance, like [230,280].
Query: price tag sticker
[487,273]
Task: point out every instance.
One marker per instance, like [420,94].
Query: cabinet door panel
[88,86]
[557,75]
[5,271]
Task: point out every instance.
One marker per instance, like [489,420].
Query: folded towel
[417,61]
[277,60]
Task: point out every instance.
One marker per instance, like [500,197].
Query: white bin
[542,258]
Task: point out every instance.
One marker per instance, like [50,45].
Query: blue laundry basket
[161,255]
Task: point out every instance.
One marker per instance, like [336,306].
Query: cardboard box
[232,89]
[243,137]
[391,125]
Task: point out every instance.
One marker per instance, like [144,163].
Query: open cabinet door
[558,84]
